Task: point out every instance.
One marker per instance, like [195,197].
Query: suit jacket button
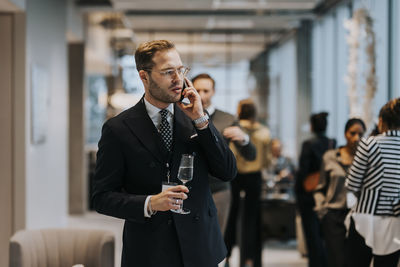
[197,217]
[169,222]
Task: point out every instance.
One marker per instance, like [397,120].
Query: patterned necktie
[165,129]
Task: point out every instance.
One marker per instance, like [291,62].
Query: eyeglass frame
[174,70]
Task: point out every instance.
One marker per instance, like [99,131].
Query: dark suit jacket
[131,164]
[310,161]
[222,120]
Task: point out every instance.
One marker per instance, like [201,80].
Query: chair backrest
[62,248]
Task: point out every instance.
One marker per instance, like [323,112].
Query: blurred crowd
[347,196]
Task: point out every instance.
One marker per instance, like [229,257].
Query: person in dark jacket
[141,148]
[310,161]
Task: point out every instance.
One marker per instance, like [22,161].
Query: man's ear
[144,76]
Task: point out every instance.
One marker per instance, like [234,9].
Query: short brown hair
[145,52]
[390,114]
[204,76]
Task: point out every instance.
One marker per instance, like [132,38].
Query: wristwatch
[202,119]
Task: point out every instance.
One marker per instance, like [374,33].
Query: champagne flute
[185,175]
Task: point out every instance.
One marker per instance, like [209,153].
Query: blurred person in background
[330,194]
[281,170]
[228,125]
[248,180]
[310,160]
[374,179]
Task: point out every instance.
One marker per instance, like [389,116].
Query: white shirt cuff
[245,141]
[146,204]
[351,200]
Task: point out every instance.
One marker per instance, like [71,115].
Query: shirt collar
[210,110]
[153,111]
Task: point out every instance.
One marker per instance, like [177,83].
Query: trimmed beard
[160,94]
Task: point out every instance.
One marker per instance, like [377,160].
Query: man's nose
[177,76]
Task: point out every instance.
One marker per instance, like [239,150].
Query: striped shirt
[375,175]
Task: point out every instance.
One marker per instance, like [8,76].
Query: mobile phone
[183,99]
[183,88]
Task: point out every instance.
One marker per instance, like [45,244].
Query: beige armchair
[62,248]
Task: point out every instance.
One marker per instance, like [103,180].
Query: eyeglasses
[182,71]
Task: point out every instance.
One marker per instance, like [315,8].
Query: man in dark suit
[141,148]
[227,125]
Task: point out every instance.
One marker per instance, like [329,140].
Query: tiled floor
[275,253]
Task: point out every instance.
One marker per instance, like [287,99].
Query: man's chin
[176,99]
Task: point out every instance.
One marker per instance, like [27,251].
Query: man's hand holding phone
[194,109]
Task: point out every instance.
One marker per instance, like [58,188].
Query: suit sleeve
[108,196]
[220,159]
[248,151]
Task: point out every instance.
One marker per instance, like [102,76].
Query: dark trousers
[167,249]
[315,246]
[250,236]
[358,254]
[334,234]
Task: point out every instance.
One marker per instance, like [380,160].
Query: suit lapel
[143,128]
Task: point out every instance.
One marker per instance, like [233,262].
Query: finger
[190,92]
[176,201]
[228,135]
[228,131]
[183,188]
[178,188]
[189,82]
[184,106]
[175,204]
[178,195]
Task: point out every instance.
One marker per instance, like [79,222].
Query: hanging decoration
[361,73]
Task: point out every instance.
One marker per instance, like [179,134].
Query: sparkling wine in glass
[185,174]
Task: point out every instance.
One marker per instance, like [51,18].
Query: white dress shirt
[155,116]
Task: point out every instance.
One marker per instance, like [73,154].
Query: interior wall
[19,122]
[330,62]
[283,95]
[47,163]
[329,69]
[78,182]
[395,53]
[303,69]
[6,132]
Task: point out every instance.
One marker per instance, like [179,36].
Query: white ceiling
[210,31]
[214,4]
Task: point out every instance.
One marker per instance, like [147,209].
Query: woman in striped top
[374,178]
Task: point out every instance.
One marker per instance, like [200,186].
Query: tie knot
[164,113]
